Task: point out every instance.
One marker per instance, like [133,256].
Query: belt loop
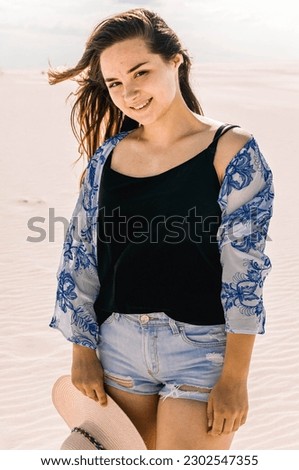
[173,326]
[116,315]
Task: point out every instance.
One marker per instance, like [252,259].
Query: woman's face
[141,84]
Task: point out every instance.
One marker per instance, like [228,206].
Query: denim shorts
[154,354]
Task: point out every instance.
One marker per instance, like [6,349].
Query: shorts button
[144,319]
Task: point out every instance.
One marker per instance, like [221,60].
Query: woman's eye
[114,84]
[139,74]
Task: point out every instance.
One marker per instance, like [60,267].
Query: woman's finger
[217,426]
[228,426]
[210,415]
[100,393]
[243,419]
[237,424]
[92,394]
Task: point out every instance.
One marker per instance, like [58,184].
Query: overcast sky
[35,31]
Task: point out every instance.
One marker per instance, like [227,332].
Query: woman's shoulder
[232,140]
[229,146]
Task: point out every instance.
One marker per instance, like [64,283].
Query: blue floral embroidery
[243,230]
[92,169]
[240,170]
[54,323]
[85,322]
[65,291]
[248,225]
[83,340]
[241,292]
[78,252]
[67,248]
[86,234]
[90,201]
[77,273]
[239,173]
[83,259]
[248,243]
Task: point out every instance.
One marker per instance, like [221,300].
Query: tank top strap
[222,130]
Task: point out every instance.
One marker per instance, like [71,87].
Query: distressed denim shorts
[154,354]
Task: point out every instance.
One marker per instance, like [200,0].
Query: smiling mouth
[143,105]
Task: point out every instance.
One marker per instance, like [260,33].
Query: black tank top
[157,246]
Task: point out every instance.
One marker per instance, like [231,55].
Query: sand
[39,181]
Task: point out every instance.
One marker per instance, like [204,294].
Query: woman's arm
[87,373]
[78,281]
[246,198]
[77,274]
[228,402]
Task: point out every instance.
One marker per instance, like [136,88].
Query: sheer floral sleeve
[245,198]
[77,275]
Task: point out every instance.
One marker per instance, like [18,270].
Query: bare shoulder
[228,146]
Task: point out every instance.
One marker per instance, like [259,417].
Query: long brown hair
[94,117]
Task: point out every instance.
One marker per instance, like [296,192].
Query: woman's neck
[177,123]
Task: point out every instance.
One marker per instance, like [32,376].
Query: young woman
[161,276]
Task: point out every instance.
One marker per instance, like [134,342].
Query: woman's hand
[87,373]
[228,401]
[227,406]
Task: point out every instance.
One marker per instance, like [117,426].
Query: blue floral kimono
[245,198]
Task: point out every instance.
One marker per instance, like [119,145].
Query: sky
[35,32]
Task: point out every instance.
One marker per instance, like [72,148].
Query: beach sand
[40,183]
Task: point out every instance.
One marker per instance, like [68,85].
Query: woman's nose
[130,92]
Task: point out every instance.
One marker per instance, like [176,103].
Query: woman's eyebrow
[129,71]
